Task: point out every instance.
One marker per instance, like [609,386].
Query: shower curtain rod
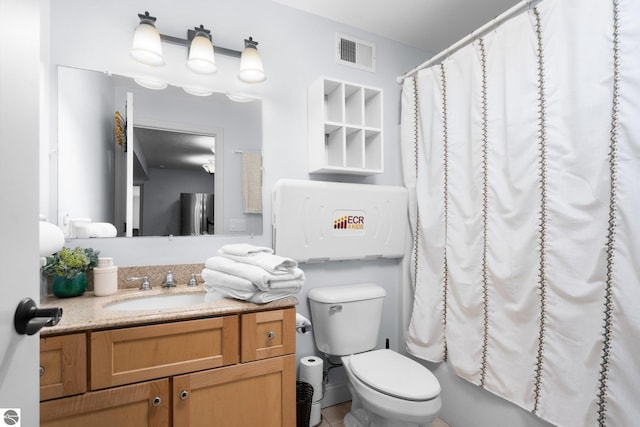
[515,10]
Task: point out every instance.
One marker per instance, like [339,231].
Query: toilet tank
[346,319]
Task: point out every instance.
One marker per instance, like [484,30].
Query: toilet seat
[395,375]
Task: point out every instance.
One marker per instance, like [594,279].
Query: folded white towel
[294,285]
[212,278]
[101,229]
[257,297]
[230,292]
[244,249]
[260,277]
[272,263]
[265,297]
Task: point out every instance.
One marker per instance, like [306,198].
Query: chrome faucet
[168,280]
[193,281]
[145,285]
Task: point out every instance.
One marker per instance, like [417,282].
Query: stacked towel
[252,273]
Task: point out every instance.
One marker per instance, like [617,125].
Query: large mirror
[154,162]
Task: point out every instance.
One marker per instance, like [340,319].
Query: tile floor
[333,415]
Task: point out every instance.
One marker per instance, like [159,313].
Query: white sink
[159,302]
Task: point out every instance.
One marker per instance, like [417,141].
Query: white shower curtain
[521,153]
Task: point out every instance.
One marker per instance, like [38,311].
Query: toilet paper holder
[303,325]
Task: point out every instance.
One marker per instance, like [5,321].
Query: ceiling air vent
[356,53]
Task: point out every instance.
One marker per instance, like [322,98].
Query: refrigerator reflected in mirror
[196,214]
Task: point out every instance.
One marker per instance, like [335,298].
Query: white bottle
[105,278]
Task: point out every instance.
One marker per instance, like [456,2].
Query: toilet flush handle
[335,309]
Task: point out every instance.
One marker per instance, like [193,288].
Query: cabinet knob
[271,335]
[42,370]
[184,395]
[157,401]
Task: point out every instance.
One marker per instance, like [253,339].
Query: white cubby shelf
[344,128]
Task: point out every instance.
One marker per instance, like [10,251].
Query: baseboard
[335,394]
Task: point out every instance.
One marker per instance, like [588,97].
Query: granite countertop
[88,312]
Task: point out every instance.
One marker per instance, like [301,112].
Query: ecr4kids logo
[349,222]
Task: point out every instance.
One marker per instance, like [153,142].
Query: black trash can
[304,396]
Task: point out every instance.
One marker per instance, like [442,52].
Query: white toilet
[387,388]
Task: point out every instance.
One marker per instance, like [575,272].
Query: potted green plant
[69,270]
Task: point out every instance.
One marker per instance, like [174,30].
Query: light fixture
[150,83]
[238,97]
[201,59]
[210,166]
[146,47]
[251,70]
[197,91]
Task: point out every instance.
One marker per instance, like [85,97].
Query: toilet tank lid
[346,293]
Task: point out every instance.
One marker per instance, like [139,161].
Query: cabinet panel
[373,108]
[259,393]
[353,105]
[141,353]
[268,334]
[333,94]
[373,145]
[145,404]
[63,366]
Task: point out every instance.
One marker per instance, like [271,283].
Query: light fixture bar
[190,35]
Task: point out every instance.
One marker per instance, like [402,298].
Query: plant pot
[64,287]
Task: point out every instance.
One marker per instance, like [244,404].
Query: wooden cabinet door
[63,366]
[128,355]
[144,404]
[268,334]
[259,393]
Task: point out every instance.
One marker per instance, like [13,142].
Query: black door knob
[29,319]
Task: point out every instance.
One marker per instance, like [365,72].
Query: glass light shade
[201,59]
[238,97]
[150,84]
[210,166]
[147,47]
[251,70]
[197,91]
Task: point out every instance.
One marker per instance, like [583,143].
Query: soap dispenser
[105,278]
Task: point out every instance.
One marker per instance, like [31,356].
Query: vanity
[222,363]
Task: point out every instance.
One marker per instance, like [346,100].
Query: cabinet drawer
[268,334]
[63,366]
[129,355]
[144,404]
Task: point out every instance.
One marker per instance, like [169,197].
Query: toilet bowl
[387,388]
[390,390]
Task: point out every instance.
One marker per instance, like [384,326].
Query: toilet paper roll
[316,414]
[311,372]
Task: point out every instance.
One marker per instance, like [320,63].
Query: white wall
[161,198]
[296,49]
[85,150]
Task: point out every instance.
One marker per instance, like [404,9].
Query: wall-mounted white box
[317,221]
